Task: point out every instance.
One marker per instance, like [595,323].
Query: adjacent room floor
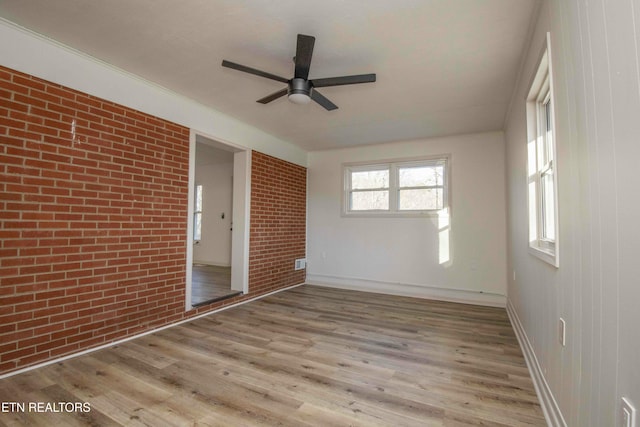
[210,283]
[306,356]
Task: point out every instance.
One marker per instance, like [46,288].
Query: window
[369,189]
[416,187]
[421,187]
[197,215]
[541,165]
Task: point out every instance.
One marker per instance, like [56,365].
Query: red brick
[31,342]
[50,344]
[9,281]
[18,354]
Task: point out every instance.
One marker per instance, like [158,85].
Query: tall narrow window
[543,209]
[197,215]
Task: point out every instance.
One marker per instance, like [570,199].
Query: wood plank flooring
[209,282]
[309,356]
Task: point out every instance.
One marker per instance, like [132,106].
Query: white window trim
[393,165]
[541,90]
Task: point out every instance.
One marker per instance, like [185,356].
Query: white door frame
[240,216]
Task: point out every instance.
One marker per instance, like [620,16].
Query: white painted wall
[33,54]
[596,54]
[402,255]
[217,196]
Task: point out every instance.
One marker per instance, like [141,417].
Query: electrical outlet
[628,413]
[562,332]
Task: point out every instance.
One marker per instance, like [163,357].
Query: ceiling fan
[300,89]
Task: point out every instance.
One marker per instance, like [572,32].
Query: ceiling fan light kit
[301,90]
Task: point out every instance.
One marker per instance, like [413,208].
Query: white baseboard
[550,407]
[409,290]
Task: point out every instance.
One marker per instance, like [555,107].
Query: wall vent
[300,264]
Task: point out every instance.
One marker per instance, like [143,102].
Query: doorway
[218,221]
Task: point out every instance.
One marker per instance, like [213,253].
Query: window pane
[198,207]
[548,203]
[423,199]
[197,226]
[370,179]
[421,176]
[548,131]
[369,200]
[547,115]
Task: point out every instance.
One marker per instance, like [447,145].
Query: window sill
[408,214]
[548,256]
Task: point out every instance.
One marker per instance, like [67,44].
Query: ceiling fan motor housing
[299,91]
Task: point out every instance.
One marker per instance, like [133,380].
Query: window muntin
[197,214]
[397,188]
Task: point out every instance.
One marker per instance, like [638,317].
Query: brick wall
[278,222]
[93,214]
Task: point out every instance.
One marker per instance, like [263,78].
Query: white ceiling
[443,66]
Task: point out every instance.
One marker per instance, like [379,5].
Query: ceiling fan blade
[254,71]
[273,96]
[344,80]
[320,99]
[304,51]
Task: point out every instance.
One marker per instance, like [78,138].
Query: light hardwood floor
[307,356]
